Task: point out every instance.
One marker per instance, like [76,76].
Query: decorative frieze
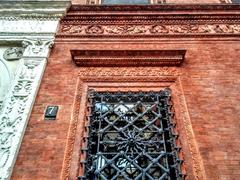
[168,20]
[148,30]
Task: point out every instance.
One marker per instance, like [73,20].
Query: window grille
[131,135]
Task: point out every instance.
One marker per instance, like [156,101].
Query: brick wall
[210,80]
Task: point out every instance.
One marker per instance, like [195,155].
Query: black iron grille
[131,136]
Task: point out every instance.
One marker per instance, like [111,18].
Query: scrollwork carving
[13,53]
[94,30]
[159,29]
[17,105]
[5,78]
[156,29]
[72,29]
[127,29]
[37,48]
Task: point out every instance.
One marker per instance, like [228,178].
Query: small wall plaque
[51,112]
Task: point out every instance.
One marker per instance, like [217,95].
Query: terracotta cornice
[120,58]
[151,21]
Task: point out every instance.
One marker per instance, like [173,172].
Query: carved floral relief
[12,117]
[16,107]
[7,69]
[149,29]
[95,29]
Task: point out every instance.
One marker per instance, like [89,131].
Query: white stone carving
[36,48]
[5,78]
[24,26]
[17,107]
[13,53]
[33,24]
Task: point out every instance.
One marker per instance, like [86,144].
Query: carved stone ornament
[120,21]
[38,48]
[19,101]
[5,78]
[34,23]
[13,53]
[148,30]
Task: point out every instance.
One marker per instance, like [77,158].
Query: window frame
[128,79]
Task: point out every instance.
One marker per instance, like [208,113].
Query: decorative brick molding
[149,30]
[129,79]
[128,57]
[153,22]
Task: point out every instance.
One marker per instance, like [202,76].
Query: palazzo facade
[130,91]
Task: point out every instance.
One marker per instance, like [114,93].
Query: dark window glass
[131,136]
[236,1]
[125,2]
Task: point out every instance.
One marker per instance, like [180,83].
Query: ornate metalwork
[131,135]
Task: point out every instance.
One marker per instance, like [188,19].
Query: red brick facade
[205,85]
